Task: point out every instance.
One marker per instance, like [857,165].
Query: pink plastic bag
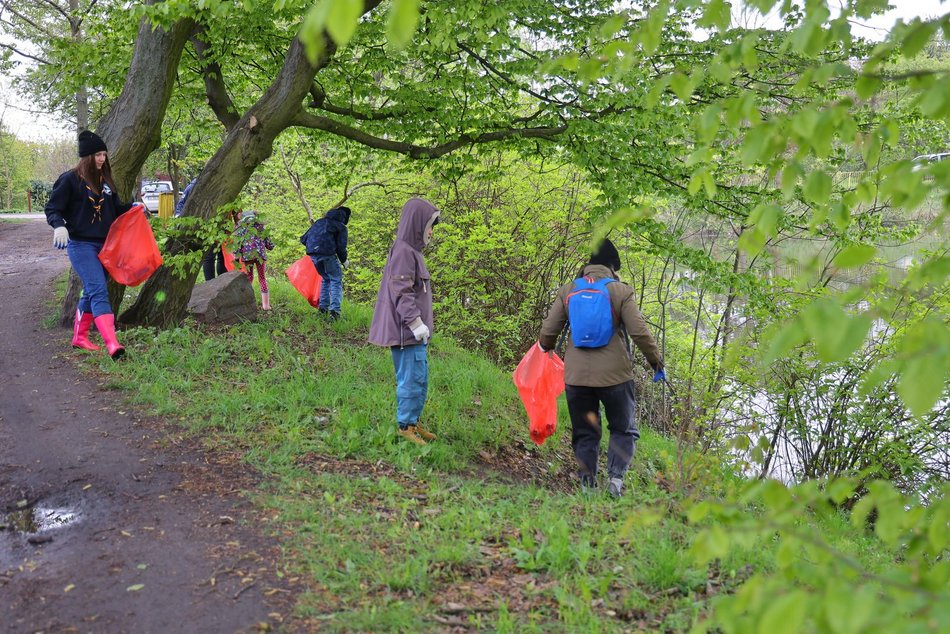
[540,380]
[130,253]
[304,277]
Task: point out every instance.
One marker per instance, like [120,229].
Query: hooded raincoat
[404,300]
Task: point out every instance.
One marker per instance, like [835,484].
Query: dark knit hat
[606,255]
[90,143]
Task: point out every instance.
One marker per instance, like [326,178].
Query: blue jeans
[84,257]
[412,382]
[331,290]
[620,406]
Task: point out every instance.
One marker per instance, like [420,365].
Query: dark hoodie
[327,236]
[404,300]
[84,213]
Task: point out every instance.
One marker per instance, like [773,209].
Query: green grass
[387,536]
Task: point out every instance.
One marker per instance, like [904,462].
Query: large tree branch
[308,120]
[215,89]
[39,60]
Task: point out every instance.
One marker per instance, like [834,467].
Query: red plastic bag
[130,253]
[540,380]
[304,277]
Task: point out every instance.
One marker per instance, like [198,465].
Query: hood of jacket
[417,214]
[339,214]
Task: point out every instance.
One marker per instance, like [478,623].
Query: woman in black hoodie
[81,208]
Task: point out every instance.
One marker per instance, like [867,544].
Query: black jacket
[328,235]
[73,206]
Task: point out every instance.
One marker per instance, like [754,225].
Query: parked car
[920,162]
[151,191]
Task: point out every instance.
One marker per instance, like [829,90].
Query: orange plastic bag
[540,380]
[130,253]
[230,259]
[304,277]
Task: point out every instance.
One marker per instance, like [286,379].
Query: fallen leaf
[87,487]
[135,588]
[69,587]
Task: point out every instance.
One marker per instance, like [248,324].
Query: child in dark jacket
[325,241]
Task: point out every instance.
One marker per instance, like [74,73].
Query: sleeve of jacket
[58,201]
[341,244]
[637,328]
[180,205]
[402,282]
[553,324]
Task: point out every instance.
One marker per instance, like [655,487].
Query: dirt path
[109,522]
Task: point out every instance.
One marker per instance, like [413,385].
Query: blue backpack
[590,313]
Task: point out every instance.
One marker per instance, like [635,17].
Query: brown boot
[424,433]
[410,434]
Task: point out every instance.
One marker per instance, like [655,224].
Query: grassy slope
[386,536]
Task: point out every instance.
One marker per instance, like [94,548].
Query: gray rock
[226,299]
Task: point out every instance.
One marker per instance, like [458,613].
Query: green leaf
[867,86]
[135,588]
[818,187]
[835,334]
[311,31]
[756,144]
[785,338]
[785,615]
[696,182]
[917,38]
[932,272]
[718,13]
[752,241]
[922,383]
[342,19]
[682,86]
[854,255]
[401,25]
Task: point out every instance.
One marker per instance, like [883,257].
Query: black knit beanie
[90,143]
[606,255]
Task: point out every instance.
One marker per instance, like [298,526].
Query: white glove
[60,237]
[421,333]
[346,264]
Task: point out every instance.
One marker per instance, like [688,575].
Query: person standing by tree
[252,244]
[325,241]
[596,375]
[402,318]
[212,262]
[81,209]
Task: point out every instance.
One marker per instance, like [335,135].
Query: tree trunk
[164,298]
[132,127]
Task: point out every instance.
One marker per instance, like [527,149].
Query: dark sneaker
[615,487]
[323,312]
[334,315]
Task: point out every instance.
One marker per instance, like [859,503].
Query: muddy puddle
[39,518]
[25,525]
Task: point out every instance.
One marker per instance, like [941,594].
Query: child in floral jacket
[251,247]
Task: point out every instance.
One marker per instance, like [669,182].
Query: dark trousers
[212,263]
[620,406]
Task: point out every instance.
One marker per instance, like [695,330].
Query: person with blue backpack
[598,365]
[325,241]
